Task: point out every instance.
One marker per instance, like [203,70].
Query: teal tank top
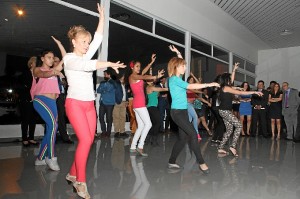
[152,99]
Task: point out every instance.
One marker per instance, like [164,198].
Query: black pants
[186,133]
[61,116]
[155,120]
[219,125]
[27,120]
[106,110]
[259,116]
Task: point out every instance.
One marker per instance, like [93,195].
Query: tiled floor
[265,169]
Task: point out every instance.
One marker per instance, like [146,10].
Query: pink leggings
[82,116]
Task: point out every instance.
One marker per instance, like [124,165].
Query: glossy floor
[265,169]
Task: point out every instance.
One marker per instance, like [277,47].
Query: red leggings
[82,116]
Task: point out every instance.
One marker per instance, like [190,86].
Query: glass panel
[240,60]
[134,45]
[250,67]
[169,32]
[200,46]
[206,68]
[129,16]
[239,77]
[221,54]
[250,80]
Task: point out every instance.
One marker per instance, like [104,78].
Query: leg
[62,126]
[193,116]
[278,123]
[144,118]
[273,128]
[101,117]
[117,117]
[109,118]
[248,124]
[242,117]
[186,131]
[226,115]
[254,122]
[82,116]
[122,119]
[263,122]
[46,108]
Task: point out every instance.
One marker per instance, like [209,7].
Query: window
[206,68]
[130,17]
[200,46]
[240,60]
[239,77]
[250,80]
[169,32]
[250,67]
[221,54]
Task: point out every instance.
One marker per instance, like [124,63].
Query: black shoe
[207,171]
[117,135]
[68,141]
[124,135]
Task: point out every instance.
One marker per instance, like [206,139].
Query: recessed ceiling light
[6,19]
[286,32]
[20,12]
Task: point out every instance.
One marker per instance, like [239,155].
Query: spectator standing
[275,109]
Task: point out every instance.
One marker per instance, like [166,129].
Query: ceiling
[29,34]
[267,19]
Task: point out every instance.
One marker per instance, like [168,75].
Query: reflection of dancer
[80,106]
[179,113]
[141,184]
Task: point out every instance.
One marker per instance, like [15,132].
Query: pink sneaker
[199,137]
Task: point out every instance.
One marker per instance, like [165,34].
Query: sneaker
[173,166]
[40,162]
[199,137]
[52,163]
[124,135]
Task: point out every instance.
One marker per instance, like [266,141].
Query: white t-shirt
[79,72]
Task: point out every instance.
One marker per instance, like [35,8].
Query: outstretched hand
[160,73]
[258,93]
[117,65]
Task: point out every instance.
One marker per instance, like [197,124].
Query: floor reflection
[264,169]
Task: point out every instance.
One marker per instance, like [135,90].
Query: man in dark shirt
[259,106]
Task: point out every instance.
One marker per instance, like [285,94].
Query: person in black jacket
[259,106]
[26,107]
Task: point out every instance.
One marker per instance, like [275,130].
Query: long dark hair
[243,84]
[225,80]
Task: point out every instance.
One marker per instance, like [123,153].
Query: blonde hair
[75,31]
[31,61]
[173,64]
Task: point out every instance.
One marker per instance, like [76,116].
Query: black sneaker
[124,135]
[117,134]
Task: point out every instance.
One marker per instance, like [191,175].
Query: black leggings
[186,133]
[155,120]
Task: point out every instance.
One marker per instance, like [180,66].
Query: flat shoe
[222,151]
[232,152]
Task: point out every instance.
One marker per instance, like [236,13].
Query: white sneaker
[40,162]
[173,166]
[52,163]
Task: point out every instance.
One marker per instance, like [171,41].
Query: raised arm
[235,67]
[100,28]
[60,46]
[145,70]
[175,50]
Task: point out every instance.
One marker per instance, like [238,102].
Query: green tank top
[152,99]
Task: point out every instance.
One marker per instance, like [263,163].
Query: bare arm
[136,77]
[237,92]
[200,86]
[174,49]
[114,65]
[100,27]
[37,72]
[235,67]
[145,70]
[197,81]
[60,46]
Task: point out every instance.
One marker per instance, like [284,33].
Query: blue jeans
[193,116]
